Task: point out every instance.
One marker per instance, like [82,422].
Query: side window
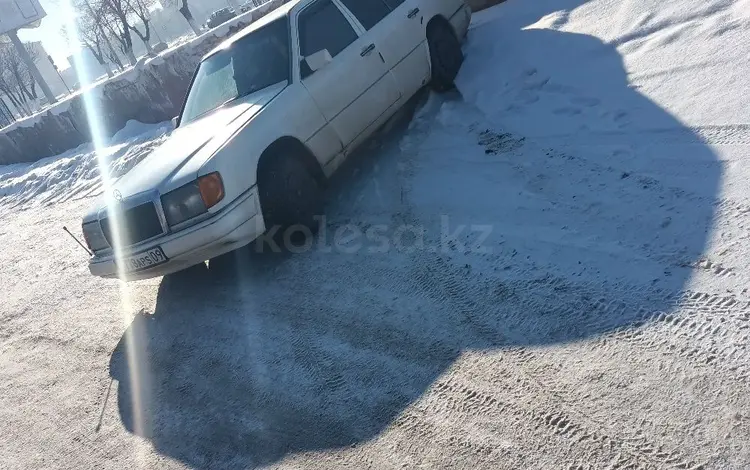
[368,12]
[393,4]
[323,26]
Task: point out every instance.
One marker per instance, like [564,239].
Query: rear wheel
[445,53]
[289,195]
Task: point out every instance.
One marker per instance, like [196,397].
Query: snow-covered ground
[557,280]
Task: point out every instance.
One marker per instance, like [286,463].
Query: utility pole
[24,54]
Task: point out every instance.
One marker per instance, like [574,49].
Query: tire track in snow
[724,210]
[694,343]
[466,295]
[706,330]
[522,406]
[729,134]
[474,303]
[703,330]
[735,214]
[702,306]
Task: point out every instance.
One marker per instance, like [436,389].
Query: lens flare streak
[98,133]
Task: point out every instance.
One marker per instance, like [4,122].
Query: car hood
[178,160]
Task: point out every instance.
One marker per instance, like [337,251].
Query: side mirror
[318,60]
[175,121]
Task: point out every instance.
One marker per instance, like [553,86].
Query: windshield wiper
[250,92]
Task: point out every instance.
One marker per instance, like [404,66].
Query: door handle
[367,50]
[413,13]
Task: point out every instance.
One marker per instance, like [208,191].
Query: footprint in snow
[585,101]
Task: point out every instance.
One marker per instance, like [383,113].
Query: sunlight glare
[99,140]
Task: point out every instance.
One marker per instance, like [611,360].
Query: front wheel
[290,195]
[446,55]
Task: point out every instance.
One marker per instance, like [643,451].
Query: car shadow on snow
[286,353]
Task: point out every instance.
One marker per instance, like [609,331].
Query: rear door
[356,88]
[398,28]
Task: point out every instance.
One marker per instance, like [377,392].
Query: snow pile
[76,174]
[689,59]
[137,130]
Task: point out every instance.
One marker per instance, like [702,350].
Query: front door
[356,88]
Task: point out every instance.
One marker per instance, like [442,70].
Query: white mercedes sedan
[271,114]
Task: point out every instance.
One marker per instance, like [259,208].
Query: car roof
[272,16]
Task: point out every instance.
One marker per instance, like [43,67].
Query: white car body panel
[233,228]
[237,159]
[352,97]
[168,168]
[331,112]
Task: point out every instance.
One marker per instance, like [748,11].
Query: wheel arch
[290,147]
[436,20]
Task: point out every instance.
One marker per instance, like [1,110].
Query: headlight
[94,236]
[193,199]
[183,204]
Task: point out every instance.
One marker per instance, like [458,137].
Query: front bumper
[233,227]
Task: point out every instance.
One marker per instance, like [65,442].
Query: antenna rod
[78,241]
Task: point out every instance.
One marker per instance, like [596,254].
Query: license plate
[144,260]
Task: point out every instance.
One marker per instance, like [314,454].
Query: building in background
[47,69]
[87,66]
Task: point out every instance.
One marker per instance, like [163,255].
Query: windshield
[255,62]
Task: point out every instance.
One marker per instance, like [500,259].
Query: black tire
[290,195]
[446,55]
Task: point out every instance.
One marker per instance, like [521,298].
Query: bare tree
[16,67]
[15,79]
[90,18]
[139,9]
[114,57]
[24,74]
[101,12]
[117,24]
[9,89]
[184,10]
